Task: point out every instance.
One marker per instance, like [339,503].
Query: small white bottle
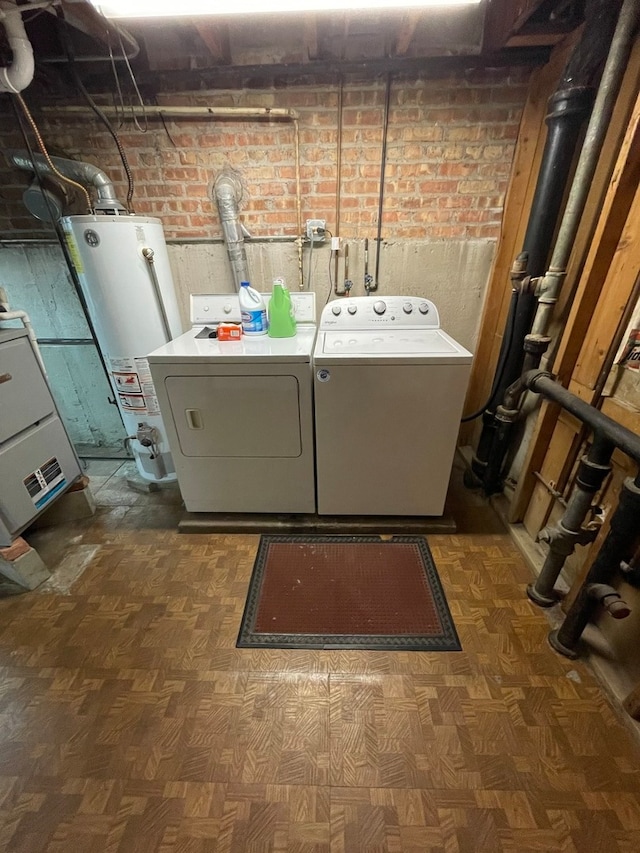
[252,310]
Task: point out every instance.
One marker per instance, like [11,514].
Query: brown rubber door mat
[346,592]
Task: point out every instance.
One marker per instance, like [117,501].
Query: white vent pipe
[227,192]
[84,173]
[7,314]
[19,74]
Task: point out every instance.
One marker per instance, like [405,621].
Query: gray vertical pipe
[623,535]
[596,131]
[568,531]
[550,286]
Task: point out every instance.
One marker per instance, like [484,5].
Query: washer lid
[260,348]
[410,347]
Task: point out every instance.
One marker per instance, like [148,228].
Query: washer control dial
[379,307]
[352,309]
[424,308]
[336,309]
[407,308]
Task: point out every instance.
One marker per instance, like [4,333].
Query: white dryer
[239,414]
[389,389]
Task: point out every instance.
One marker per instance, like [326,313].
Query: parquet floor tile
[129,721]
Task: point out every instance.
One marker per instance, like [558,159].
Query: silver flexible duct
[227,192]
[84,173]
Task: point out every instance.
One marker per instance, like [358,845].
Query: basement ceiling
[164,49]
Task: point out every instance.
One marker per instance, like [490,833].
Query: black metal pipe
[568,110]
[475,476]
[506,416]
[620,541]
[490,402]
[602,16]
[540,382]
[625,524]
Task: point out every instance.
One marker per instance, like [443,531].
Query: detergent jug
[282,323]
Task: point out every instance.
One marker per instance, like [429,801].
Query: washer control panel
[368,312]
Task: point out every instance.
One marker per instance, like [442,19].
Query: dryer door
[236,416]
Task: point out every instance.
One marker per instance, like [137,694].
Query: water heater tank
[124,271]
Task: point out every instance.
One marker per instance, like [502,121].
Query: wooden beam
[504,19]
[216,38]
[406,32]
[524,174]
[554,471]
[310,38]
[590,262]
[615,295]
[606,212]
[88,20]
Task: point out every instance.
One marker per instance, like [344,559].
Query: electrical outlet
[315,230]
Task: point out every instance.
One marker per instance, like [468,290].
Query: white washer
[389,389]
[239,414]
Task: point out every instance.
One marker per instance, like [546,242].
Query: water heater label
[74,252]
[124,365]
[134,385]
[133,402]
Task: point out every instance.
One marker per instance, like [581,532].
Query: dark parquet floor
[130,723]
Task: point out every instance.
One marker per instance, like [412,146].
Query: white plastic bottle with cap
[252,310]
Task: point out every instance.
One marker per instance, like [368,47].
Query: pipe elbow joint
[533,376]
[17,76]
[610,599]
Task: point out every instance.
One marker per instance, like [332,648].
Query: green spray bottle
[282,323]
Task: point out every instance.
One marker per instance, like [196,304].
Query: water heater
[124,271]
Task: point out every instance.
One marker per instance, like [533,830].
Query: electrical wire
[116,78]
[135,86]
[330,259]
[310,259]
[43,148]
[497,379]
[96,109]
[63,243]
[330,279]
[166,130]
[383,166]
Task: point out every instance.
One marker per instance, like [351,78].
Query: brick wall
[449,151]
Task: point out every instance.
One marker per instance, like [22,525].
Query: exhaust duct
[227,193]
[84,173]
